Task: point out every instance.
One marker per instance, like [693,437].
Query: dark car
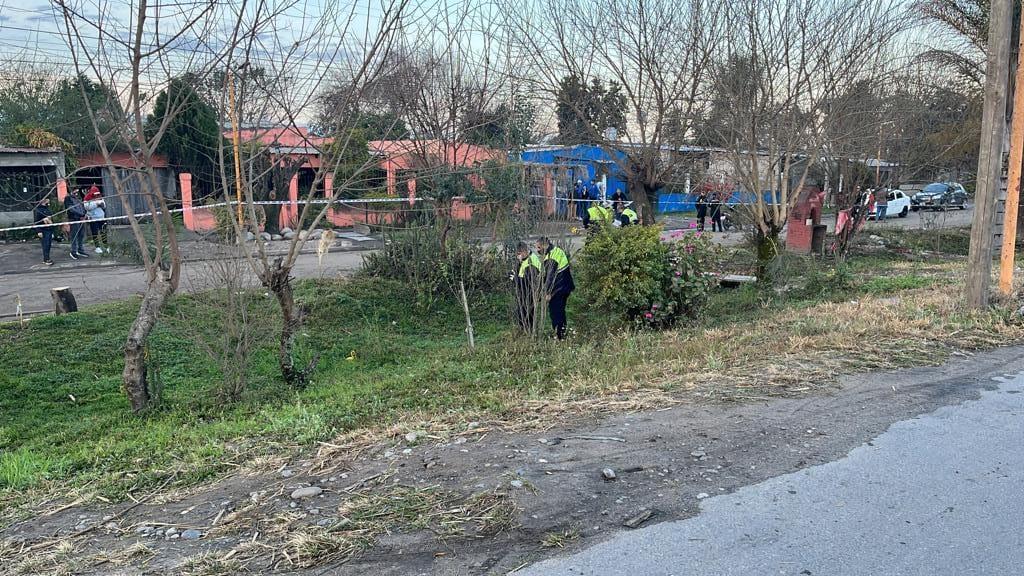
[940,196]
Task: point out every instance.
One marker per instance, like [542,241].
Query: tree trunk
[767,252]
[134,377]
[63,300]
[643,202]
[279,282]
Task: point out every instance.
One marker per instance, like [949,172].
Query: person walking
[558,284]
[75,209]
[702,209]
[43,216]
[94,209]
[881,204]
[526,283]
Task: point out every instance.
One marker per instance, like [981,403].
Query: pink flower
[654,307]
[698,234]
[678,273]
[648,315]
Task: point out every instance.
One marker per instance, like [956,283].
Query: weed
[560,539]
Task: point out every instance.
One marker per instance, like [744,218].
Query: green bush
[416,258]
[629,273]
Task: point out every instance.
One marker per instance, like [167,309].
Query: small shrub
[631,274]
[832,282]
[433,263]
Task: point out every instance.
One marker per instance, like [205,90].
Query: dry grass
[560,539]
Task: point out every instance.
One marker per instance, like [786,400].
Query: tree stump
[63,300]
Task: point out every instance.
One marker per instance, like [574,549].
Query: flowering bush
[635,275]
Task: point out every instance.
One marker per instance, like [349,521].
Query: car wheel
[914,208]
[904,212]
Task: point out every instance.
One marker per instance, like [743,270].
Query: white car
[898,205]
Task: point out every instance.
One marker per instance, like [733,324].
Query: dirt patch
[486,501]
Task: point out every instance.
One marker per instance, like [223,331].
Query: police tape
[348,202]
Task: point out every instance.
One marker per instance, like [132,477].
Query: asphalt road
[937,495]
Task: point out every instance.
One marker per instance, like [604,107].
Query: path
[933,496]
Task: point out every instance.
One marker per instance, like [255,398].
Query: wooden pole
[236,141]
[469,321]
[990,159]
[1008,252]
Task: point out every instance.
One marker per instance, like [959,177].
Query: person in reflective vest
[625,216]
[593,216]
[558,284]
[527,285]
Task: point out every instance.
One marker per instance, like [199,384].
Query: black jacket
[74,207]
[41,213]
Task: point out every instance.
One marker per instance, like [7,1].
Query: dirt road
[665,463]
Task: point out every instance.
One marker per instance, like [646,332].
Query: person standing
[881,204]
[716,213]
[558,284]
[94,209]
[43,216]
[75,209]
[526,282]
[580,195]
[702,209]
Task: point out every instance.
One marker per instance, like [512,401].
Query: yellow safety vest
[633,218]
[524,266]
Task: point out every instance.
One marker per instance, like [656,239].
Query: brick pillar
[185,180]
[328,195]
[62,189]
[293,202]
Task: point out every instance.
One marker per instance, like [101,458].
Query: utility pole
[235,138]
[1008,252]
[990,158]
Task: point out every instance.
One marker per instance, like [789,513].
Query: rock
[191,534]
[286,473]
[314,511]
[276,237]
[459,440]
[111,526]
[874,237]
[472,425]
[307,492]
[516,483]
[699,454]
[303,234]
[171,532]
[265,237]
[411,437]
[407,451]
[158,533]
[174,537]
[249,236]
[143,529]
[315,234]
[702,495]
[108,518]
[293,505]
[287,230]
[288,235]
[325,522]
[608,474]
[639,519]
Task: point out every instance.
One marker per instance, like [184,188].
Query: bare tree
[296,66]
[797,57]
[659,52]
[133,56]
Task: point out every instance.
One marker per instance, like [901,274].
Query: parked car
[912,188]
[898,205]
[940,196]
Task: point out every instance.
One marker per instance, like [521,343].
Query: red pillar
[62,189]
[293,202]
[329,195]
[185,180]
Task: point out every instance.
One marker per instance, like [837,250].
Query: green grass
[63,416]
[65,423]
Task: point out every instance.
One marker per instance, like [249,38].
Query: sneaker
[48,262]
[83,255]
[99,250]
[74,256]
